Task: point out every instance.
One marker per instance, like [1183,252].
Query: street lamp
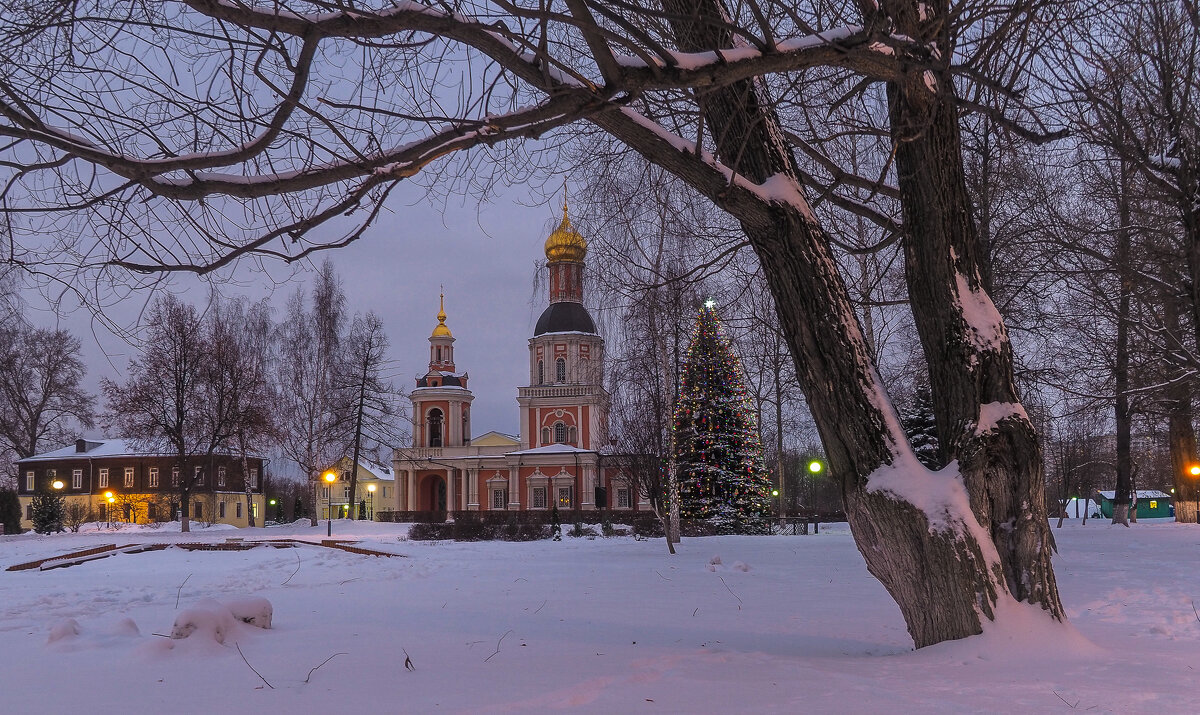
[330,478]
[371,491]
[111,505]
[57,484]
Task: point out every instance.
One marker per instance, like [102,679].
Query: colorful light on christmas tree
[723,477]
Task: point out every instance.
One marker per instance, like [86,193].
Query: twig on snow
[541,606]
[357,578]
[664,578]
[322,663]
[1065,701]
[493,655]
[730,590]
[289,578]
[408,664]
[1194,611]
[251,667]
[179,591]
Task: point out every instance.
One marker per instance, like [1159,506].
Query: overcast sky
[484,256]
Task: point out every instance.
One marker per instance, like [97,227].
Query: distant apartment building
[115,482]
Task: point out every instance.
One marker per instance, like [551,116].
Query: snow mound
[715,560]
[217,621]
[252,611]
[741,566]
[124,627]
[66,628]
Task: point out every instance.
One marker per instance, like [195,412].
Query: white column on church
[412,490]
[588,500]
[473,489]
[454,425]
[451,496]
[514,485]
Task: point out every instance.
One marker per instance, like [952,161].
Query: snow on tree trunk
[980,419]
[937,555]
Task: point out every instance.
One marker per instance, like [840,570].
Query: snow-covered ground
[730,624]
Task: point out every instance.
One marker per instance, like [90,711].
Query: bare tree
[687,85]
[75,514]
[313,416]
[239,392]
[372,400]
[161,405]
[41,397]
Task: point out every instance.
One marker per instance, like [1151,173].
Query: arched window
[560,370]
[541,373]
[545,435]
[560,432]
[434,428]
[439,353]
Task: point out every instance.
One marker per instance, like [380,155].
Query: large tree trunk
[1122,415]
[966,346]
[938,563]
[1182,438]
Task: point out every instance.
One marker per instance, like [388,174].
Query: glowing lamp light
[108,496]
[371,487]
[774,492]
[57,484]
[1194,470]
[330,476]
[272,502]
[815,466]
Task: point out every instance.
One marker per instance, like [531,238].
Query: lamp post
[111,502]
[330,478]
[371,491]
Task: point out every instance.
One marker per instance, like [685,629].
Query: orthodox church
[560,458]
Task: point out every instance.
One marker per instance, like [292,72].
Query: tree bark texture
[1122,414]
[1182,438]
[940,576]
[964,340]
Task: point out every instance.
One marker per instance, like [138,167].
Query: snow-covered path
[781,624]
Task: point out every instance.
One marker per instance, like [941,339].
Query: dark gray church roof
[564,317]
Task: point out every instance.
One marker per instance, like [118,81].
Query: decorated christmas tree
[723,478]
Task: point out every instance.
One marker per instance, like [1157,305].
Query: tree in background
[49,510]
[76,514]
[161,406]
[238,383]
[312,415]
[722,475]
[41,396]
[371,398]
[920,425]
[10,512]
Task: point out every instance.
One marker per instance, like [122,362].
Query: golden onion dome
[565,243]
[441,331]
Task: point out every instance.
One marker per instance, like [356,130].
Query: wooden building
[117,483]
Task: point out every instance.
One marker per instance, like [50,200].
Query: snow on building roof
[1141,494]
[115,447]
[380,471]
[554,449]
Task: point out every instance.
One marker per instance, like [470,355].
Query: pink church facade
[561,457]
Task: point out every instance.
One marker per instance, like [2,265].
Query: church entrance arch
[433,493]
